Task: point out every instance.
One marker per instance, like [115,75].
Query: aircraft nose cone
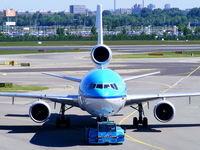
[101,93]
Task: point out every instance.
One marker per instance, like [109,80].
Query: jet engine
[101,55]
[39,111]
[164,111]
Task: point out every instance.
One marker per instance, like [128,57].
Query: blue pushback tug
[105,133]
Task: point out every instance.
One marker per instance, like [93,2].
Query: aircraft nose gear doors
[62,120]
[141,120]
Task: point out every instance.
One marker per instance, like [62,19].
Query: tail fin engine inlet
[101,55]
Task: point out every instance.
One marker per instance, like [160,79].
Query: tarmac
[18,131]
[121,48]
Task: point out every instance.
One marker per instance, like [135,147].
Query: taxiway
[18,131]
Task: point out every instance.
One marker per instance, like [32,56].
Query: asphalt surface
[18,131]
[165,68]
[119,48]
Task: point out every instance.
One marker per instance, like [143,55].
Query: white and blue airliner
[102,92]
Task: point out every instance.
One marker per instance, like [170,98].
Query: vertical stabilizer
[100,54]
[99,24]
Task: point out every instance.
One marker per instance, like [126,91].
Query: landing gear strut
[101,119]
[62,120]
[140,120]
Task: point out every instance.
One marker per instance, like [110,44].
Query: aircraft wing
[135,99]
[140,76]
[64,99]
[62,76]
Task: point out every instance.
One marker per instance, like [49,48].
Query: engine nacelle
[101,55]
[164,111]
[39,111]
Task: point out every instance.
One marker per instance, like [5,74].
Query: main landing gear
[62,120]
[140,120]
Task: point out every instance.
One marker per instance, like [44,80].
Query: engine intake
[39,112]
[101,55]
[164,111]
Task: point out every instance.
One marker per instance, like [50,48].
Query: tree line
[121,36]
[156,17]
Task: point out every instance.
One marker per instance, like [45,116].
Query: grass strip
[11,52]
[165,55]
[90,43]
[20,88]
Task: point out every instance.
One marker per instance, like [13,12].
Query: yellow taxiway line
[143,143]
[135,111]
[180,80]
[16,118]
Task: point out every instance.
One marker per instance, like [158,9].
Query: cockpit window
[103,86]
[114,86]
[92,86]
[99,86]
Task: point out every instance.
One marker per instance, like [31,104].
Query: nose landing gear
[102,119]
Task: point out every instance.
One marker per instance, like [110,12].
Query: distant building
[137,8]
[10,13]
[188,9]
[151,6]
[167,6]
[77,9]
[42,11]
[20,11]
[53,11]
[123,11]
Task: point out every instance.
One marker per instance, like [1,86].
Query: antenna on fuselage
[99,25]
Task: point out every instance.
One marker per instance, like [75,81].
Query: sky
[61,5]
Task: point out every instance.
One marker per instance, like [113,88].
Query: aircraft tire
[145,122]
[135,122]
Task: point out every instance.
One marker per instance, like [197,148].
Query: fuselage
[102,92]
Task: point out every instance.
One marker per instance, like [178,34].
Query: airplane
[102,92]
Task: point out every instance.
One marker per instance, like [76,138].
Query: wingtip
[46,73]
